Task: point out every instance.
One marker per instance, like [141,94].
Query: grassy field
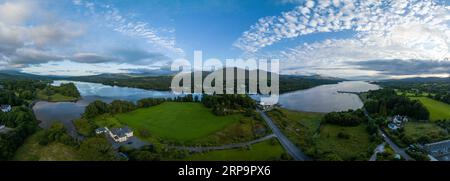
[299,127]
[356,147]
[321,141]
[264,151]
[180,122]
[415,130]
[107,120]
[438,110]
[412,94]
[32,151]
[55,97]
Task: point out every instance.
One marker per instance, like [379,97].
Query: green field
[55,97]
[299,127]
[32,151]
[412,93]
[438,110]
[181,122]
[428,132]
[264,151]
[320,141]
[330,146]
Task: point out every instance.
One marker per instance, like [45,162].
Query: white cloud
[15,12]
[118,22]
[397,29]
[310,3]
[364,17]
[23,43]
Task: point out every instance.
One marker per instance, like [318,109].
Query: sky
[367,39]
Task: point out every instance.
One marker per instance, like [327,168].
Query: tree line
[22,122]
[220,104]
[225,104]
[345,118]
[386,102]
[65,89]
[13,92]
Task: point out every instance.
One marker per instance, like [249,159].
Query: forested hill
[415,80]
[10,74]
[288,83]
[433,87]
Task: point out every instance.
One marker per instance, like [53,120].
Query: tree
[119,106]
[97,149]
[348,118]
[95,108]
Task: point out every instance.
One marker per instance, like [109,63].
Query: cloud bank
[383,30]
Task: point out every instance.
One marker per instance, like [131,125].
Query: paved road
[296,153]
[378,149]
[388,140]
[223,147]
[396,148]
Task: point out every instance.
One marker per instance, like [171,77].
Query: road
[378,149]
[396,148]
[290,147]
[223,147]
[388,140]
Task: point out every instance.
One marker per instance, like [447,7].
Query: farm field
[438,110]
[32,151]
[356,147]
[180,122]
[424,132]
[321,141]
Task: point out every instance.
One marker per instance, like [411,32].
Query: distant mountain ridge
[287,83]
[420,80]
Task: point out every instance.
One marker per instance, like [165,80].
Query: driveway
[223,147]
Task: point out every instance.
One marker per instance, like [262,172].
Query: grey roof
[439,148]
[4,106]
[101,129]
[121,132]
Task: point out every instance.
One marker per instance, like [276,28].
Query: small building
[5,108]
[397,122]
[439,150]
[121,134]
[4,129]
[265,106]
[117,134]
[101,130]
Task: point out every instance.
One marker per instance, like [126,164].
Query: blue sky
[334,38]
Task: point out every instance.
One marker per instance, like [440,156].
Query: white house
[117,134]
[121,134]
[5,108]
[265,106]
[397,122]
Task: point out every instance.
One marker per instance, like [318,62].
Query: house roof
[101,129]
[4,106]
[438,145]
[121,132]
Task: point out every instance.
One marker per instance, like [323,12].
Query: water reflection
[326,98]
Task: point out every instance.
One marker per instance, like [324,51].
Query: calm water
[326,98]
